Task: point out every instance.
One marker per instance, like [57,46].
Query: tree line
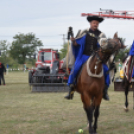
[24,47]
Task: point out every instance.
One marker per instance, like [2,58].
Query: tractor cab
[46,58]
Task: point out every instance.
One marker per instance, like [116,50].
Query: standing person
[24,67]
[7,68]
[85,43]
[120,66]
[2,70]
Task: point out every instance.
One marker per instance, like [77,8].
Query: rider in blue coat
[83,47]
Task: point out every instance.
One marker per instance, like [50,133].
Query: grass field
[23,112]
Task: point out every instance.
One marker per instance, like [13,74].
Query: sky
[50,19]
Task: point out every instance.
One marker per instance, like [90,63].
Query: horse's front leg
[86,99]
[96,113]
[89,112]
[126,95]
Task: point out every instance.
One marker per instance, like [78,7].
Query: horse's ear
[116,35]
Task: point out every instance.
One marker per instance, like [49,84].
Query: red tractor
[48,75]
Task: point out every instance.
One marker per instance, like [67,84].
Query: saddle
[88,70]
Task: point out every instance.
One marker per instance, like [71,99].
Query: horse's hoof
[95,132]
[126,109]
[91,131]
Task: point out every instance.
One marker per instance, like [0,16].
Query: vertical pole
[63,43]
[51,63]
[63,39]
[51,57]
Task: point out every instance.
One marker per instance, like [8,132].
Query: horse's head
[110,45]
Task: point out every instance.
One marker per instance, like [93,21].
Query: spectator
[7,68]
[2,70]
[120,66]
[25,67]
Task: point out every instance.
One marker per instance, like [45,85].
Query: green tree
[63,51]
[4,48]
[24,46]
[121,53]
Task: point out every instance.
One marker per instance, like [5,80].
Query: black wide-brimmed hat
[90,18]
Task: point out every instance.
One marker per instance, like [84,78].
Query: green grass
[23,112]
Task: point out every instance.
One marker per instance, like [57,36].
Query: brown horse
[91,87]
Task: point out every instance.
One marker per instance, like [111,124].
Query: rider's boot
[105,94]
[71,92]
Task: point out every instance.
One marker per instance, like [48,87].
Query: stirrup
[70,96]
[71,93]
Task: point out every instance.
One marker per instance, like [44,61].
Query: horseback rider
[85,43]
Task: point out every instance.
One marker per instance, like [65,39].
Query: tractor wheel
[34,80]
[37,79]
[30,77]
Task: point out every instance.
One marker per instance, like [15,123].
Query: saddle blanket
[126,67]
[90,73]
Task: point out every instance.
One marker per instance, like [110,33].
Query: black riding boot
[71,93]
[105,95]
